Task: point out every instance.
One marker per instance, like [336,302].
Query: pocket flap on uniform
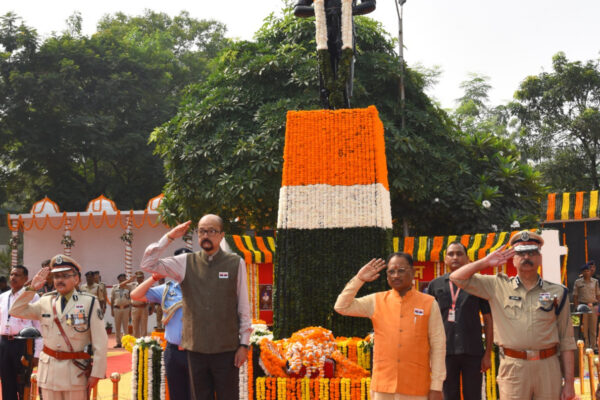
[45,358]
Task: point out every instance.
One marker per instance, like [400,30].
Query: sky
[503,40]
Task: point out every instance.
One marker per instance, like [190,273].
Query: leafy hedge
[312,266]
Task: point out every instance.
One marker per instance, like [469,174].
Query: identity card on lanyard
[452,311]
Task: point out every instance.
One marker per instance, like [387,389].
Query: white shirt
[11,326]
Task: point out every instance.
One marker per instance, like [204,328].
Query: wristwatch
[244,345]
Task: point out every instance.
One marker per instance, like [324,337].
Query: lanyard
[453,295]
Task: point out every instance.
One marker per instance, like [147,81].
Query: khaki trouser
[121,316]
[139,320]
[74,395]
[529,379]
[589,324]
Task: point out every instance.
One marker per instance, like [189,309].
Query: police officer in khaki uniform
[72,329]
[139,312]
[104,297]
[532,324]
[92,287]
[586,290]
[120,307]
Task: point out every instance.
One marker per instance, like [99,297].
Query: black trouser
[11,369]
[470,367]
[212,374]
[178,377]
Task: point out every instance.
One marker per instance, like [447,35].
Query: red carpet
[120,363]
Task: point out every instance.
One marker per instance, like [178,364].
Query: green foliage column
[334,216]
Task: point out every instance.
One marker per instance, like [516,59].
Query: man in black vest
[216,311]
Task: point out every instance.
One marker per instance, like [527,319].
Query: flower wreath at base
[308,352]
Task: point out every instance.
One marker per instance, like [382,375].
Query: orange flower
[341,147]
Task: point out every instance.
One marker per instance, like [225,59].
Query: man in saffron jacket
[410,343]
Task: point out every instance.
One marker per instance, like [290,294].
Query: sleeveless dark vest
[210,315]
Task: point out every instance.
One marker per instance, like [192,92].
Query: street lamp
[399,9]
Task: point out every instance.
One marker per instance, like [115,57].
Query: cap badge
[58,260]
[524,236]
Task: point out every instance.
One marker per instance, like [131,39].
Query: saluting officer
[74,336]
[532,323]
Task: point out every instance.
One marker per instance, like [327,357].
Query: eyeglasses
[396,272]
[208,232]
[529,253]
[62,276]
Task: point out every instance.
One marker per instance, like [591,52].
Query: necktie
[63,303]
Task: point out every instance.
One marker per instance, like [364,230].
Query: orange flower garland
[347,165]
[312,389]
[344,368]
[271,358]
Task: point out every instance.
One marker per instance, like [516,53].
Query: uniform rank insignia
[544,297]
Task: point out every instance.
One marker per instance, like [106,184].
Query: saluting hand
[179,230]
[499,257]
[370,271]
[40,278]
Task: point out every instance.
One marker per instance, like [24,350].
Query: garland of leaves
[318,270]
[14,242]
[127,237]
[67,241]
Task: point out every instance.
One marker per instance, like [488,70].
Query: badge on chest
[451,315]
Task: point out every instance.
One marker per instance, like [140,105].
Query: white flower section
[346,24]
[134,370]
[243,381]
[320,24]
[259,332]
[163,374]
[325,206]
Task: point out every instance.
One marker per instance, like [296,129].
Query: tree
[559,115]
[77,111]
[499,189]
[223,150]
[233,125]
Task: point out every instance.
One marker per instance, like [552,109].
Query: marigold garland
[347,164]
[271,359]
